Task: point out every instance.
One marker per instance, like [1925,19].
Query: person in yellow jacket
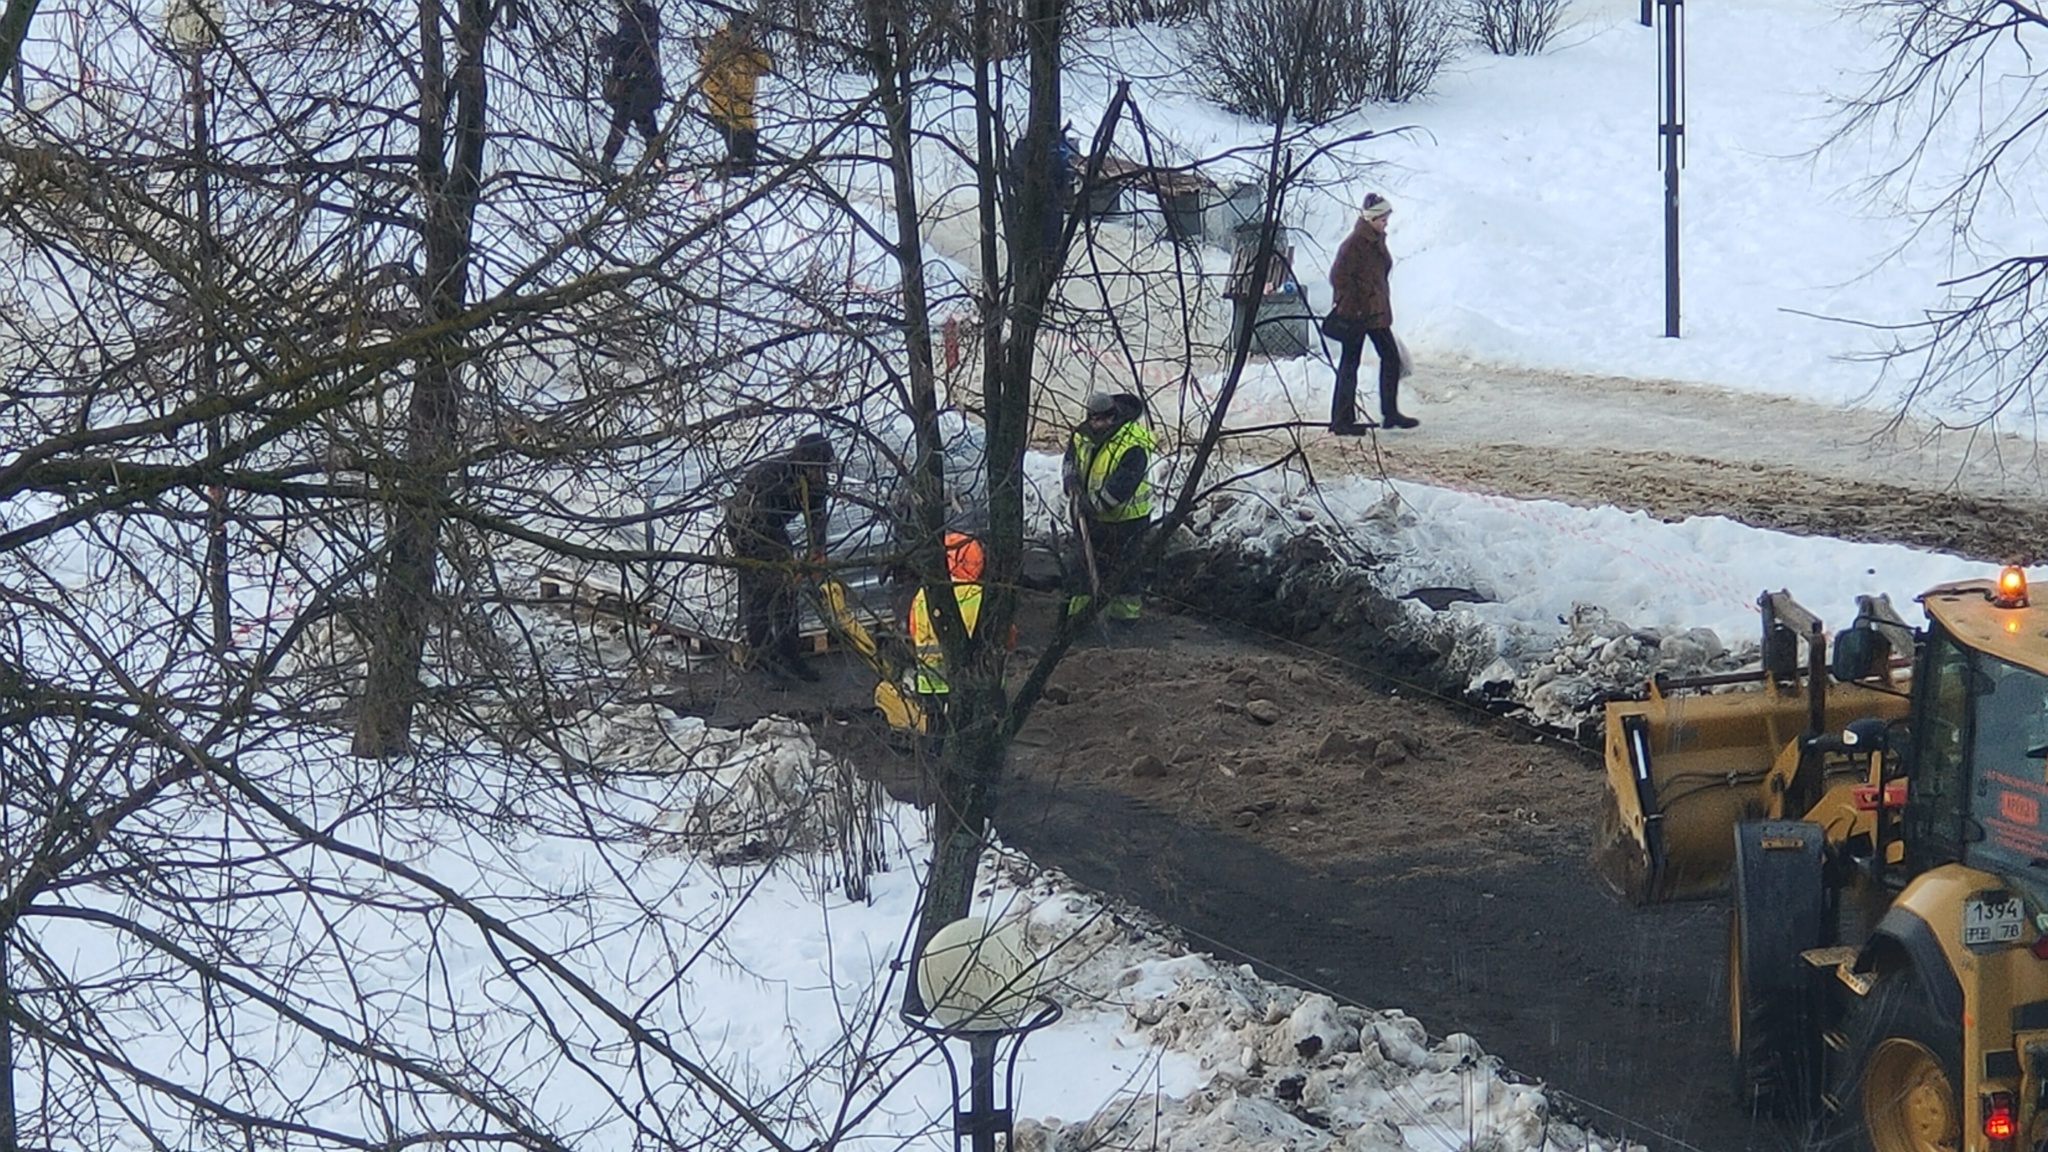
[731,65]
[963,564]
[1109,489]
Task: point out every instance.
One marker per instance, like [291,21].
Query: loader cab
[1979,758]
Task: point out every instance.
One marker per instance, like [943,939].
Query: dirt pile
[1296,753]
[1300,589]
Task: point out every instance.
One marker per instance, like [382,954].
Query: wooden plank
[1279,271]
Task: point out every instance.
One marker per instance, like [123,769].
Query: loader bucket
[1683,769]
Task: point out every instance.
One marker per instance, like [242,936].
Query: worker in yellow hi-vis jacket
[1109,458]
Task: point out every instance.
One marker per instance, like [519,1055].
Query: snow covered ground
[1527,227]
[1528,233]
[1528,223]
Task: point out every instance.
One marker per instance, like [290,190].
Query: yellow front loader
[1880,822]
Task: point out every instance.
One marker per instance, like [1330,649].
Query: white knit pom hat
[1375,207]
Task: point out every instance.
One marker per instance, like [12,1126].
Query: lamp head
[978,976]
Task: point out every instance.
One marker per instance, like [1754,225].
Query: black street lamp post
[979,987]
[1671,135]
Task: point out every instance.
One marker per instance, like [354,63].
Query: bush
[1516,27]
[1130,13]
[1319,59]
[1420,37]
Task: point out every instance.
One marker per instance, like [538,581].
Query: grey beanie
[1101,404]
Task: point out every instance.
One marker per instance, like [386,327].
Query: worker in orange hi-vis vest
[963,565]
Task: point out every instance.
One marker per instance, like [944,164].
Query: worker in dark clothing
[1066,157]
[1106,478]
[774,492]
[632,82]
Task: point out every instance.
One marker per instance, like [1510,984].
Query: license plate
[1993,919]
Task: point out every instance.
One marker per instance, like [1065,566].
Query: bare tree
[1024,302]
[1362,51]
[440,354]
[387,337]
[14,22]
[453,128]
[1516,27]
[1960,98]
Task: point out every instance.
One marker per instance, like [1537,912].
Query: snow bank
[1272,1066]
[1526,604]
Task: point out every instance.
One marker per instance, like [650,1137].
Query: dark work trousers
[768,590]
[1344,401]
[742,150]
[1116,546]
[635,110]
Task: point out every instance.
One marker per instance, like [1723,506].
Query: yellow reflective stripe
[924,637]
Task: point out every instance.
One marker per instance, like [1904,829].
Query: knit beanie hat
[812,448]
[1375,207]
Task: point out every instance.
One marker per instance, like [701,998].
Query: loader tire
[1900,1090]
[1778,911]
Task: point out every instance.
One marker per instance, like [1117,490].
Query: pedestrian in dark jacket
[632,82]
[1065,173]
[1361,309]
[772,494]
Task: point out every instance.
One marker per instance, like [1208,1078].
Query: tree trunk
[421,481]
[14,22]
[976,734]
[10,1127]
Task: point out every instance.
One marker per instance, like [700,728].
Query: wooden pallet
[600,595]
[604,596]
[588,591]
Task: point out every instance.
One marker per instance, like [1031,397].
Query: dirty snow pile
[1282,1068]
[1549,607]
[1158,1047]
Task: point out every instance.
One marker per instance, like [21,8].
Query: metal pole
[1671,127]
[209,357]
[981,1091]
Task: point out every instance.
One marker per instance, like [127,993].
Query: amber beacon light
[2012,587]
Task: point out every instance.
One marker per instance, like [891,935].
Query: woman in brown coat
[1362,308]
